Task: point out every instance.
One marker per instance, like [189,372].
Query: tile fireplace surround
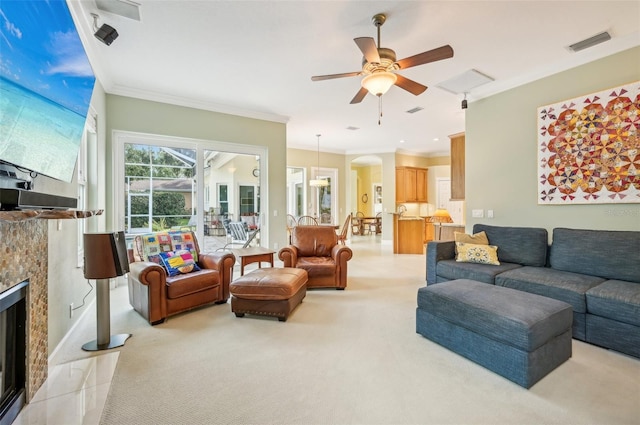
[23,255]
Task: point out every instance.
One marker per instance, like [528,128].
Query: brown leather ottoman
[268,292]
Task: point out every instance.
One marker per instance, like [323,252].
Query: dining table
[365,221]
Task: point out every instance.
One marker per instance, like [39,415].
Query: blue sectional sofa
[597,272]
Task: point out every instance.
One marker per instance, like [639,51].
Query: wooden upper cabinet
[421,185]
[411,184]
[457,167]
[401,193]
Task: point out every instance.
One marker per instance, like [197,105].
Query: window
[223,199]
[159,187]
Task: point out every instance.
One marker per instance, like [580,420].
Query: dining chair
[344,232]
[355,224]
[307,220]
[375,227]
[362,229]
[291,223]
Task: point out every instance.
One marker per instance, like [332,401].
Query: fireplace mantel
[21,215]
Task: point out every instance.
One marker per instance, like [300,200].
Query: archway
[367,188]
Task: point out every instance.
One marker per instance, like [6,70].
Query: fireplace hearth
[13,358]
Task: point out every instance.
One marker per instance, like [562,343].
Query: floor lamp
[440,216]
[105,256]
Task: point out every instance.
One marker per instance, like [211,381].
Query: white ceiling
[256,58]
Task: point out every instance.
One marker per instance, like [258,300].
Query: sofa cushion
[608,254]
[616,300]
[568,287]
[451,269]
[314,241]
[186,284]
[317,266]
[477,253]
[521,245]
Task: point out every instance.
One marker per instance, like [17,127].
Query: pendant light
[318,182]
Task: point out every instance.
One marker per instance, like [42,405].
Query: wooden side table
[254,254]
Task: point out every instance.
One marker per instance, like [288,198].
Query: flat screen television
[46,83]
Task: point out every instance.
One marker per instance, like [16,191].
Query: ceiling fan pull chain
[379,108]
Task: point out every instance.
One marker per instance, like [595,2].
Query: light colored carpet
[344,357]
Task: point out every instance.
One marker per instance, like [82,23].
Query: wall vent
[590,42]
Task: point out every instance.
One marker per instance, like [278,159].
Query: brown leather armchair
[316,250]
[155,295]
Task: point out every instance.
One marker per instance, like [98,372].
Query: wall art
[588,148]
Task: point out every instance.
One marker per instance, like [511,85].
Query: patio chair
[240,235]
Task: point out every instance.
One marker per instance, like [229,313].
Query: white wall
[501,151]
[66,280]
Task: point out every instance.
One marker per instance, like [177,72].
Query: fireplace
[13,357]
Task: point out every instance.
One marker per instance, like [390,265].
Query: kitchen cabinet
[429,232]
[457,167]
[408,235]
[411,184]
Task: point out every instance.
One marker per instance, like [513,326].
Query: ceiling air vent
[353,128]
[464,82]
[414,110]
[590,42]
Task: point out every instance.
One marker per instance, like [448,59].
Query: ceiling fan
[379,65]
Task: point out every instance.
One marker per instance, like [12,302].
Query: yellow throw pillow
[479,238]
[476,253]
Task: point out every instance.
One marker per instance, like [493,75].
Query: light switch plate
[477,213]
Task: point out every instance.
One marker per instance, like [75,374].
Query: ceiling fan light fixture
[379,83]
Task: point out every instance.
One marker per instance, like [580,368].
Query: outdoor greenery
[168,209]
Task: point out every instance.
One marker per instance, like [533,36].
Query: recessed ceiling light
[436,139]
[401,141]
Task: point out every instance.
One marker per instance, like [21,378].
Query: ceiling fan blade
[410,85]
[434,55]
[367,46]
[331,76]
[359,96]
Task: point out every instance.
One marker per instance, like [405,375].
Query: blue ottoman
[518,335]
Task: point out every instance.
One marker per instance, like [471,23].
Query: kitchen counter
[408,234]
